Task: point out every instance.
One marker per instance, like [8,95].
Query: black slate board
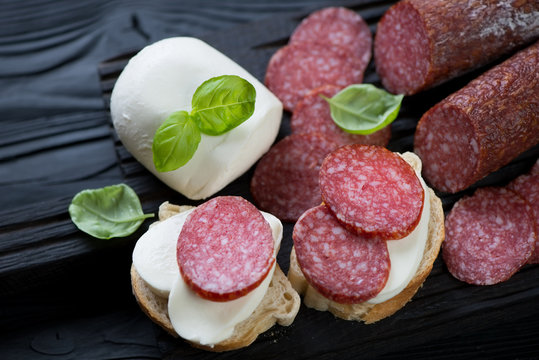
[39,244]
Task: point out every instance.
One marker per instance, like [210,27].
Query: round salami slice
[225,248]
[337,26]
[285,182]
[312,114]
[535,168]
[296,69]
[372,190]
[489,236]
[342,266]
[527,186]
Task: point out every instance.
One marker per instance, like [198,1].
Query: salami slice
[422,43]
[527,186]
[285,182]
[483,126]
[489,236]
[296,69]
[342,266]
[225,248]
[312,114]
[535,168]
[372,190]
[337,26]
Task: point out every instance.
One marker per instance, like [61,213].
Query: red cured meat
[296,69]
[285,182]
[489,236]
[372,190]
[535,168]
[225,248]
[527,186]
[312,114]
[342,266]
[483,126]
[337,26]
[422,43]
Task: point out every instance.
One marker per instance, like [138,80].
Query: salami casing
[225,248]
[489,236]
[372,190]
[285,181]
[422,43]
[337,26]
[342,266]
[483,126]
[312,114]
[297,68]
[527,186]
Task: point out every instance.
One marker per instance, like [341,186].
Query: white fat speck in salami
[371,190]
[296,69]
[527,186]
[285,181]
[489,236]
[225,248]
[342,266]
[337,26]
[312,114]
[535,168]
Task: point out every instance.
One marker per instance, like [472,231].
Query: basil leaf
[112,211]
[222,103]
[175,142]
[364,108]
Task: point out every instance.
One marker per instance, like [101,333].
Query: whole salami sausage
[313,114]
[342,266]
[422,43]
[527,186]
[483,126]
[489,236]
[225,248]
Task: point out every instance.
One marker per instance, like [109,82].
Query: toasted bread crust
[370,313]
[280,304]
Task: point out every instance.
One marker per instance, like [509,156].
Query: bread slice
[370,313]
[279,305]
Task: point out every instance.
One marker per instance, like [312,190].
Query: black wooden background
[64,295]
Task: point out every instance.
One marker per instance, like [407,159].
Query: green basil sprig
[112,211]
[364,108]
[219,105]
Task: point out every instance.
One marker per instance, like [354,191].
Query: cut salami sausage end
[401,50]
[342,266]
[372,191]
[450,157]
[225,249]
[489,236]
[285,181]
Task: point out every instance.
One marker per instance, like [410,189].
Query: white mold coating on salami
[342,266]
[489,236]
[337,26]
[372,190]
[312,115]
[296,69]
[527,186]
[285,181]
[225,248]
